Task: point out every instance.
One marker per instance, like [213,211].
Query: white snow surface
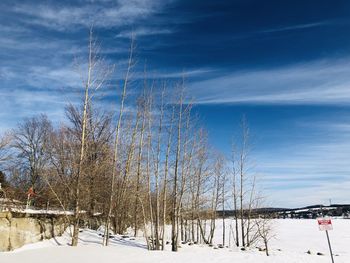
[294,237]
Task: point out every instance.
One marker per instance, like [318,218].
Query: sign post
[325,224]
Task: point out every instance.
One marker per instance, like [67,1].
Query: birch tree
[174,231]
[130,64]
[92,80]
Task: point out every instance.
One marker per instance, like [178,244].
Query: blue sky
[284,64]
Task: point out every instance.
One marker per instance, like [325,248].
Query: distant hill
[311,211]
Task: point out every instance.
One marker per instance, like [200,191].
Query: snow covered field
[293,239]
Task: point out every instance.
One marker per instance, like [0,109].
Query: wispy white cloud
[168,75]
[15,42]
[320,82]
[143,31]
[11,29]
[37,69]
[295,27]
[100,13]
[270,32]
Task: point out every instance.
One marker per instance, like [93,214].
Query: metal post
[330,248]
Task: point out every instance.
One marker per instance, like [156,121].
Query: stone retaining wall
[17,230]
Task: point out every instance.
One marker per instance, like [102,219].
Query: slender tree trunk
[235,197]
[149,247]
[185,163]
[249,212]
[166,171]
[174,226]
[241,202]
[242,170]
[82,148]
[223,212]
[196,202]
[148,171]
[122,202]
[157,212]
[139,161]
[116,142]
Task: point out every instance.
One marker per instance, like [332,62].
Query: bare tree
[244,187]
[218,175]
[166,172]
[148,163]
[174,232]
[264,228]
[250,207]
[243,159]
[98,152]
[94,78]
[5,155]
[223,200]
[235,193]
[116,140]
[141,108]
[30,140]
[157,164]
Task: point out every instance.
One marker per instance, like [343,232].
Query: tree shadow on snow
[58,243]
[115,240]
[126,242]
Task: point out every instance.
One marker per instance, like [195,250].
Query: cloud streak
[143,31]
[295,27]
[320,82]
[41,39]
[103,14]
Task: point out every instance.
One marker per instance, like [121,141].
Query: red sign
[324,224]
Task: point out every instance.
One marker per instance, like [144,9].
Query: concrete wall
[17,230]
